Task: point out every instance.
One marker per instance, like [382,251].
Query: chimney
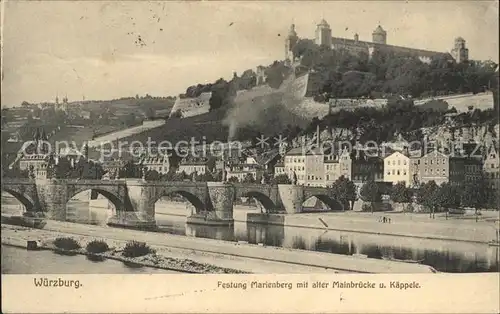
[317,136]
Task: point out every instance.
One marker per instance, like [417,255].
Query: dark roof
[266,157]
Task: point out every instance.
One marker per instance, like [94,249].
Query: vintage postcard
[250,156]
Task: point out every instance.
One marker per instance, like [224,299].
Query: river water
[21,261]
[445,256]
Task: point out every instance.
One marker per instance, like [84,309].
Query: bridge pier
[138,211]
[219,206]
[292,197]
[52,198]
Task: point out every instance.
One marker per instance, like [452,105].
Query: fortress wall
[192,106]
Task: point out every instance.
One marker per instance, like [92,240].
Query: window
[388,162]
[404,162]
[404,172]
[392,171]
[432,161]
[393,162]
[399,162]
[388,173]
[398,172]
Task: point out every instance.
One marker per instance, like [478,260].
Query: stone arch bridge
[134,199]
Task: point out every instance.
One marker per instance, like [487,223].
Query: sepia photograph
[250,138]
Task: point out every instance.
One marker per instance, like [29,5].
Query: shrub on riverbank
[136,249]
[66,243]
[97,246]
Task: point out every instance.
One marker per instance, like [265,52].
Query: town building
[491,168]
[366,166]
[397,168]
[159,163]
[279,168]
[337,166]
[379,42]
[34,156]
[242,171]
[193,165]
[295,162]
[440,168]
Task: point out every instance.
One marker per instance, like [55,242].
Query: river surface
[445,256]
[21,261]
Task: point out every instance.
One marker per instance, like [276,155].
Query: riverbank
[410,225]
[154,260]
[242,257]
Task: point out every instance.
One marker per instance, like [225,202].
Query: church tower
[323,34]
[459,52]
[290,41]
[379,36]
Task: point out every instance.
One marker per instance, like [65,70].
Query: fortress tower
[323,34]
[459,52]
[290,41]
[379,36]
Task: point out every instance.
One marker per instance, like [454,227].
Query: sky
[92,49]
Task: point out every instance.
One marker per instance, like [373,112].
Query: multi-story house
[314,168]
[243,170]
[193,165]
[337,166]
[295,162]
[158,163]
[440,168]
[366,167]
[397,168]
[491,169]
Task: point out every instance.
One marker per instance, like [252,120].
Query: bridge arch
[332,203]
[26,200]
[110,195]
[190,196]
[268,206]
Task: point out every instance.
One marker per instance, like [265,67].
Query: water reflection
[445,256]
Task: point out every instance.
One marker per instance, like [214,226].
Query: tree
[281,179]
[129,170]
[400,193]
[63,168]
[370,192]
[149,112]
[249,178]
[428,196]
[474,195]
[179,176]
[448,197]
[345,191]
[152,175]
[233,180]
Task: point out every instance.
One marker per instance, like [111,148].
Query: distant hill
[138,106]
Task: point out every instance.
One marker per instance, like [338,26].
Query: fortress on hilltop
[379,43]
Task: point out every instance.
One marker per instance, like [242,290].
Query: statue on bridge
[225,169]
